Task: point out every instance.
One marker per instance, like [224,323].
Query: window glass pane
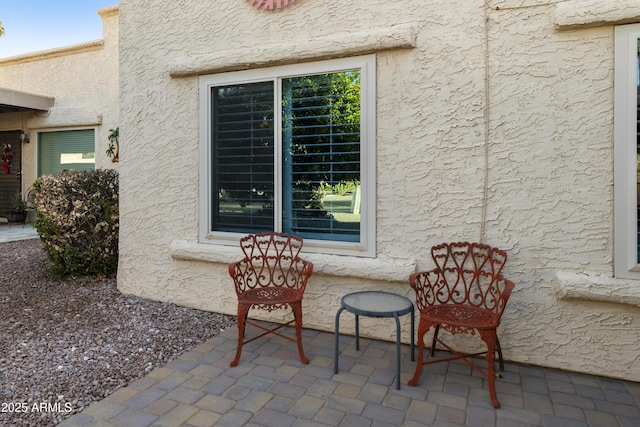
[243,158]
[638,149]
[60,150]
[321,150]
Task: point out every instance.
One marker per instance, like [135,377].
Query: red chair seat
[271,296]
[461,316]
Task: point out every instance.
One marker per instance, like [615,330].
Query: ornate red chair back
[466,273]
[465,293]
[271,276]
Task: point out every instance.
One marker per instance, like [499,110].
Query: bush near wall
[77,220]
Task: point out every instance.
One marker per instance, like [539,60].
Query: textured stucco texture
[494,123]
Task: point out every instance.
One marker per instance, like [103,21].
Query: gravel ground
[65,343]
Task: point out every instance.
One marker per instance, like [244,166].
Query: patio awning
[12,101]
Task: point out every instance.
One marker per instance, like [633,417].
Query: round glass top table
[376,304]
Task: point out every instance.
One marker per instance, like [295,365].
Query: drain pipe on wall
[487,128]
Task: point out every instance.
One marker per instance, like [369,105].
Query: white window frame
[625,151]
[367,66]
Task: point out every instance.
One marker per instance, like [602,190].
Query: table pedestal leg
[395,316]
[336,341]
[413,327]
[357,333]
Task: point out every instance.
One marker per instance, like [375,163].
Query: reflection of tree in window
[321,138]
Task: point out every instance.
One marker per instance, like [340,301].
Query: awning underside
[12,101]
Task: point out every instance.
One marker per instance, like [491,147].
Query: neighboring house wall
[494,123]
[82,78]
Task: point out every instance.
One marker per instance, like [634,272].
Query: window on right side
[627,152]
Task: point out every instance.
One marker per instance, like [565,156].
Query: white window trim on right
[625,152]
[367,66]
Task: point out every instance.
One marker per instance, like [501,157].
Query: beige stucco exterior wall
[494,123]
[82,79]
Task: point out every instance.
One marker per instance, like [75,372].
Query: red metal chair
[465,293]
[270,277]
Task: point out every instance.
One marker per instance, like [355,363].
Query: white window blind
[70,149]
[321,138]
[243,158]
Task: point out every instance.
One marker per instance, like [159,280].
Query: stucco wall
[83,80]
[494,123]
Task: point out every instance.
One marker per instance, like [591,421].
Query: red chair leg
[499,350]
[423,328]
[434,341]
[297,313]
[243,311]
[489,337]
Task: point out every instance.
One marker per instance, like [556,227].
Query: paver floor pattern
[271,387]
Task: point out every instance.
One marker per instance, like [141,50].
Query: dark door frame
[10,177]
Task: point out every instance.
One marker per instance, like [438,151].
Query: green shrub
[77,220]
[343,187]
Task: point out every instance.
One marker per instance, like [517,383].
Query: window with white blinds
[292,149]
[68,149]
[243,157]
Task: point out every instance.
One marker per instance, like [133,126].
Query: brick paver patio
[270,387]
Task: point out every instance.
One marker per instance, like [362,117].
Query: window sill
[597,288]
[66,117]
[388,269]
[588,13]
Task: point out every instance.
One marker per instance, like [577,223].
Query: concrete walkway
[12,233]
[270,387]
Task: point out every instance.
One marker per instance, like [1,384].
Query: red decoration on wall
[7,157]
[271,4]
